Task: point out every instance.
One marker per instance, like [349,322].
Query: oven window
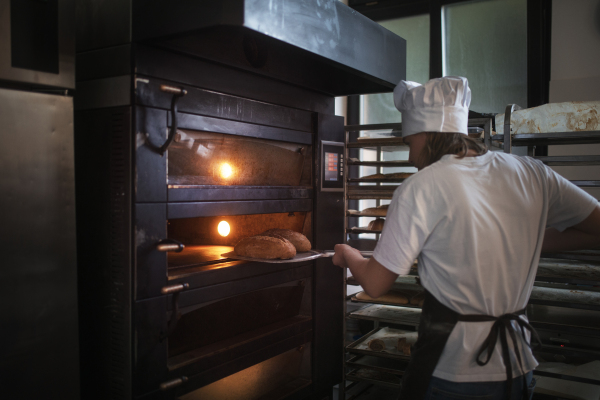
[282,375]
[238,319]
[206,238]
[204,158]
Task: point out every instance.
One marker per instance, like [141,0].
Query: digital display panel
[331,166]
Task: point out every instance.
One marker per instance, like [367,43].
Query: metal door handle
[174,288]
[175,315]
[177,93]
[167,245]
[173,383]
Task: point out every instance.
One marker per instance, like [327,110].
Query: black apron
[436,324]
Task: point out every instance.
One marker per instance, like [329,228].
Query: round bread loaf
[300,242]
[266,247]
[376,225]
[376,345]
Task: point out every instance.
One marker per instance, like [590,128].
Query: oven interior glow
[223,228]
[226,172]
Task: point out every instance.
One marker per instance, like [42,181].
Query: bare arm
[375,279]
[584,235]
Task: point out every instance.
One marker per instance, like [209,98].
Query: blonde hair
[438,144]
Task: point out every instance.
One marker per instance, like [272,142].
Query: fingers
[338,258]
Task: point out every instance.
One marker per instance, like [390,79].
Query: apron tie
[502,324]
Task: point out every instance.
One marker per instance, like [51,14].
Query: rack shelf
[378,142]
[388,314]
[551,138]
[573,272]
[370,192]
[556,161]
[372,376]
[359,230]
[584,255]
[376,180]
[383,164]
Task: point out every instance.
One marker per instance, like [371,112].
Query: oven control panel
[332,166]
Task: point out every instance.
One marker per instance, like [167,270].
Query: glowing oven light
[226,170]
[223,228]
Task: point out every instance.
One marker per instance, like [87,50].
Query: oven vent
[119,337]
[321,45]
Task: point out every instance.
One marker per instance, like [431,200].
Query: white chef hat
[440,105]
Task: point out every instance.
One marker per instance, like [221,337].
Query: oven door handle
[167,245]
[177,93]
[176,315]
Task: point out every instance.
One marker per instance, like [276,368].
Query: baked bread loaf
[390,297]
[376,225]
[417,300]
[379,211]
[374,176]
[395,175]
[266,247]
[300,242]
[376,345]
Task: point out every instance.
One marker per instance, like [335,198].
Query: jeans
[440,389]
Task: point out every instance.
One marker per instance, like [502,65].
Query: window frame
[539,25]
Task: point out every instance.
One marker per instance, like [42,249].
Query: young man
[477,221]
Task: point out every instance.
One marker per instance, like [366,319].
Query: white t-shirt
[476,225]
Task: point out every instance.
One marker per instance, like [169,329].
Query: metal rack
[562,313]
[369,366]
[366,367]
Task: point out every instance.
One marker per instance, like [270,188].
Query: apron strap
[501,325]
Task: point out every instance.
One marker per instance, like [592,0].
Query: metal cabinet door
[38,272]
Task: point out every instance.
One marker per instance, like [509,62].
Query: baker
[477,222]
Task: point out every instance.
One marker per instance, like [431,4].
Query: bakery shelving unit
[364,366]
[565,302]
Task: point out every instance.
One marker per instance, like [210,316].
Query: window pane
[379,108]
[486,41]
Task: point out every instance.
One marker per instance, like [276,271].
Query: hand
[342,253]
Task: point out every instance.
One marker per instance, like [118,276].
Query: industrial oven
[196,125]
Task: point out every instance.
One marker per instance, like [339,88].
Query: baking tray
[388,335]
[398,315]
[376,377]
[387,365]
[299,257]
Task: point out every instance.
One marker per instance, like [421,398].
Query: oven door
[191,339]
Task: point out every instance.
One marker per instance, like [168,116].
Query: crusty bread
[389,297]
[266,247]
[300,242]
[374,176]
[376,225]
[379,211]
[417,300]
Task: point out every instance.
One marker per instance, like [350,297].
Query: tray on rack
[568,271]
[383,164]
[390,337]
[361,230]
[356,192]
[387,365]
[388,314]
[572,297]
[580,255]
[376,377]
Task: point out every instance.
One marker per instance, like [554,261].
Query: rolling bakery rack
[564,305]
